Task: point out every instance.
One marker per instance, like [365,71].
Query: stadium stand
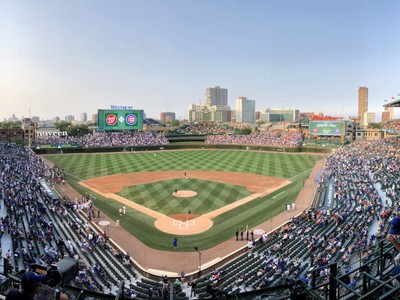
[266,138]
[392,126]
[204,129]
[107,139]
[338,252]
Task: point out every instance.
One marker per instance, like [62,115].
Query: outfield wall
[183,146]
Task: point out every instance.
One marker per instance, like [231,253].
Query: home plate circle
[185,194]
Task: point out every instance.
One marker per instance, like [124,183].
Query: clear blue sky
[68,57]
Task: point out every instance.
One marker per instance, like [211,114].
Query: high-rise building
[94,118]
[84,118]
[69,118]
[215,109]
[279,115]
[199,113]
[220,114]
[166,117]
[391,112]
[362,103]
[385,116]
[216,96]
[369,117]
[35,119]
[245,111]
[56,119]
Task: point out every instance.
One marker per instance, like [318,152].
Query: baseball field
[199,196]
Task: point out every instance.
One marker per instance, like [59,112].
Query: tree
[246,130]
[260,123]
[90,123]
[78,130]
[62,125]
[11,124]
[175,123]
[375,125]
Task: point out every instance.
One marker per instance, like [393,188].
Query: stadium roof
[395,103]
[151,122]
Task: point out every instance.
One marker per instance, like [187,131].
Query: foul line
[278,195]
[300,174]
[69,174]
[90,186]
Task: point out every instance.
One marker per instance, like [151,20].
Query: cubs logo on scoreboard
[131,119]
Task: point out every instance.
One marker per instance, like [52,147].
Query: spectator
[175,243]
[30,286]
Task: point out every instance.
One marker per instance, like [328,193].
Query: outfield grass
[295,168]
[159,196]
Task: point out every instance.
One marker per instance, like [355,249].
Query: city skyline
[68,57]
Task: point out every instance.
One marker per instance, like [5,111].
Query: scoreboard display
[328,128]
[114,119]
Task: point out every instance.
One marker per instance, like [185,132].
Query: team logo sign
[315,130]
[131,119]
[337,130]
[111,119]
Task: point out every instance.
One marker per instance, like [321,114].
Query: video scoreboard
[115,119]
[328,128]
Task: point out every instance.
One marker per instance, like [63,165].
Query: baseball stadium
[135,214]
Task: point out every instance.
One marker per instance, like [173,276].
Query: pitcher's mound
[186,194]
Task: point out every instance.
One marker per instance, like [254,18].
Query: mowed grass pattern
[159,196]
[293,167]
[273,164]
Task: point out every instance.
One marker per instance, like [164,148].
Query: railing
[370,282]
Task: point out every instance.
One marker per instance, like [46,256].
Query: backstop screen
[113,119]
[329,128]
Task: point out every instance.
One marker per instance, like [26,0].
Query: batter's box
[183,224]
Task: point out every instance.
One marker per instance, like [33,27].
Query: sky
[61,58]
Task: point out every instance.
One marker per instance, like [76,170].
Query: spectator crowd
[393,125]
[107,139]
[205,128]
[266,138]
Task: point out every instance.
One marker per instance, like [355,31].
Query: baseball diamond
[260,184]
[280,167]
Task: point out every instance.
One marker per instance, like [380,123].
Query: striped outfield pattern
[158,195]
[272,164]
